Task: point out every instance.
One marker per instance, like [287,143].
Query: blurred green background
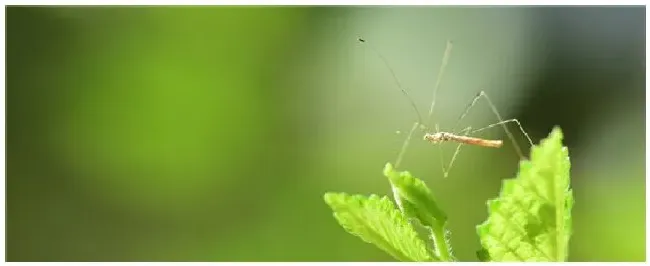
[211,133]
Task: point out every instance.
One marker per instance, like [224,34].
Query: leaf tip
[555,137]
[388,169]
[332,197]
[557,133]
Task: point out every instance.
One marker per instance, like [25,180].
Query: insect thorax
[437,137]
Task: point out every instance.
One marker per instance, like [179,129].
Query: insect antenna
[416,125]
[392,72]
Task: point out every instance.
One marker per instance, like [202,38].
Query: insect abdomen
[479,142]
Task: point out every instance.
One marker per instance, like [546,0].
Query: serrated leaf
[531,218]
[415,199]
[376,220]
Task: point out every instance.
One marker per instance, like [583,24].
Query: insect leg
[445,170]
[501,122]
[405,145]
[441,71]
[505,122]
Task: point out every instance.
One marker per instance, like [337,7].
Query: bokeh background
[211,133]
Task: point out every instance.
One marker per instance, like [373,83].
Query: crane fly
[461,137]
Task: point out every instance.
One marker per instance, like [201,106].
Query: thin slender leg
[505,122]
[501,122]
[442,157]
[445,170]
[405,145]
[420,124]
[443,66]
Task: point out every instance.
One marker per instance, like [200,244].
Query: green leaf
[376,220]
[414,197]
[531,218]
[416,201]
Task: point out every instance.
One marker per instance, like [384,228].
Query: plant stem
[440,241]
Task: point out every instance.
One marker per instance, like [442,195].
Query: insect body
[440,137]
[461,137]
